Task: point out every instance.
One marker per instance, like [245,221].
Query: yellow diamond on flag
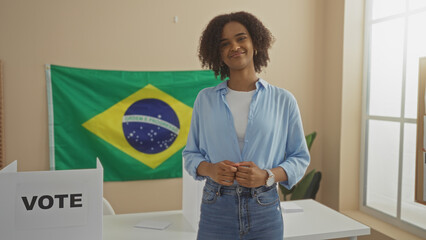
[149,125]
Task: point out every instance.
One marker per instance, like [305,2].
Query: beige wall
[342,62]
[350,135]
[332,95]
[141,35]
[342,97]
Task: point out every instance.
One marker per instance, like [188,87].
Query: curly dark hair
[209,48]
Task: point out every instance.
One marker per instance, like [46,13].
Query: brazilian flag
[137,123]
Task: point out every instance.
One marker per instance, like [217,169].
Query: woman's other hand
[250,175]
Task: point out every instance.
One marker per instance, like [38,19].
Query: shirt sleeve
[192,155]
[297,156]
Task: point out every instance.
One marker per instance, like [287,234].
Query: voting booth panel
[51,205]
[192,194]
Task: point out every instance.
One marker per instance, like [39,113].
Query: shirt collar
[261,84]
[223,86]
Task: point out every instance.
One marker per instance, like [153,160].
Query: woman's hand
[250,175]
[221,172]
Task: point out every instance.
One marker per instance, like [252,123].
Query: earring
[255,52]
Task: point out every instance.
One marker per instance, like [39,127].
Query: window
[395,40]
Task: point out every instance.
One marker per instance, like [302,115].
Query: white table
[120,227]
[320,222]
[315,222]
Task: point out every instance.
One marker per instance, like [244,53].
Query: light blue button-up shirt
[274,135]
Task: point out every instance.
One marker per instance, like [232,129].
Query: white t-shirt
[239,104]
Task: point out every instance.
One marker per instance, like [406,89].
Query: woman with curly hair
[246,135]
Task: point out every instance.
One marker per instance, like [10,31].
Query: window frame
[368,23]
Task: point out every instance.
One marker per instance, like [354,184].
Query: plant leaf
[310,139]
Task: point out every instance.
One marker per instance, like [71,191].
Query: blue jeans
[237,212]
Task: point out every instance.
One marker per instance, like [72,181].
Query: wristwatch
[271,179]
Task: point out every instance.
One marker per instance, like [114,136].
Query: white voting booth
[51,205]
[191,198]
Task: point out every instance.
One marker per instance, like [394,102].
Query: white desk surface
[121,227]
[315,222]
[318,221]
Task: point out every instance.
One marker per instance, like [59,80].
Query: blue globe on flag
[150,126]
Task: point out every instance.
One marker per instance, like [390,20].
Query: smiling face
[236,47]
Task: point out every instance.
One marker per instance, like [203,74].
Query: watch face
[270,181]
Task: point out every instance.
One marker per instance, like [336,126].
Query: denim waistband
[234,189]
